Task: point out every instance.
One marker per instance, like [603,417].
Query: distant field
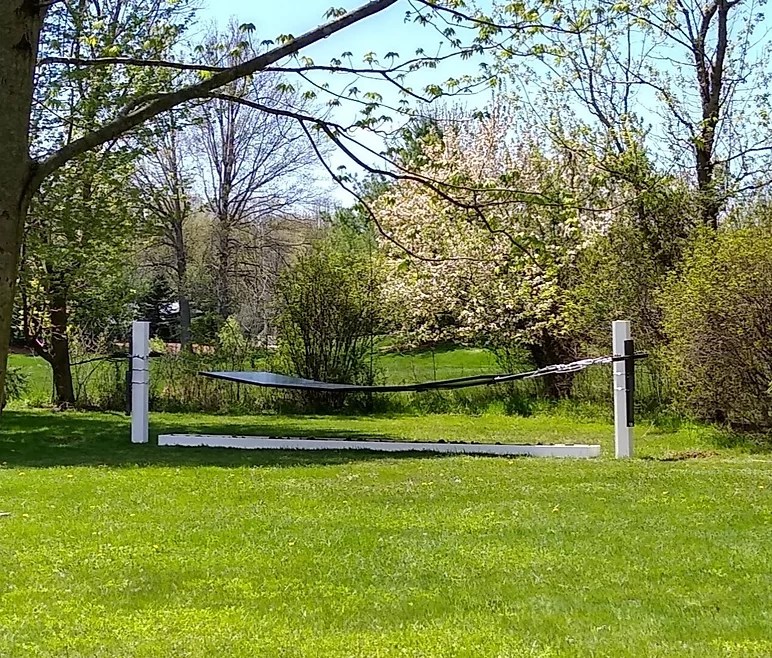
[38,373]
[423,365]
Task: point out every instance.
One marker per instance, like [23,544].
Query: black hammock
[273,380]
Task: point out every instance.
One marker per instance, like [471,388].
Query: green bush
[16,385]
[329,306]
[718,319]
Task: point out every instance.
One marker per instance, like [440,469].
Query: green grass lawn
[425,365]
[119,550]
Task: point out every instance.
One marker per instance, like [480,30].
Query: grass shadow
[81,439]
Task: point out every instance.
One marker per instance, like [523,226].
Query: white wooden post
[623,435]
[140,381]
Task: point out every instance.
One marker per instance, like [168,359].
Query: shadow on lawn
[77,439]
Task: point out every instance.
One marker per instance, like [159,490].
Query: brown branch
[159,103]
[129,61]
[717,71]
[405,66]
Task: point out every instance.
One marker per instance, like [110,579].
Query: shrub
[98,382]
[329,301]
[16,385]
[177,386]
[718,318]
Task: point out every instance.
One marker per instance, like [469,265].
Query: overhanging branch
[158,103]
[129,61]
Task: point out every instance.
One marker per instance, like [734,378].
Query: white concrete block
[267,443]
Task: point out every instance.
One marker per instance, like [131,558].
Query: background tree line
[619,169]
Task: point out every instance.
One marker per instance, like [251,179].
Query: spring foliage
[718,318]
[329,301]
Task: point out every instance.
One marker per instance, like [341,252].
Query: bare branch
[159,103]
[129,61]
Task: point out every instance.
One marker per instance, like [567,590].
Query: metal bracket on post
[624,389]
[630,381]
[140,381]
[129,375]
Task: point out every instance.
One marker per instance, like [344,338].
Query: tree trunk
[710,206]
[11,221]
[185,340]
[710,80]
[222,286]
[64,394]
[181,268]
[550,352]
[20,22]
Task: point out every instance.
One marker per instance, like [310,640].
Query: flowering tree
[488,253]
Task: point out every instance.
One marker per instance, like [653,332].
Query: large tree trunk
[11,221]
[20,23]
[64,393]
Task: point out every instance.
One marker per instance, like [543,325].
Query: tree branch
[129,61]
[159,103]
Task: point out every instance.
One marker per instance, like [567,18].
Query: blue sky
[382,33]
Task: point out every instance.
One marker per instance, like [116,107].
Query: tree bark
[64,393]
[11,221]
[710,80]
[549,352]
[184,302]
[55,350]
[181,268]
[20,23]
[223,283]
[185,338]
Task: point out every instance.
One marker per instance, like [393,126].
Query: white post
[140,381]
[623,435]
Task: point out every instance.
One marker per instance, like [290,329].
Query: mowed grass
[119,550]
[439,363]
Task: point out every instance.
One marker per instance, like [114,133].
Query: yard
[111,549]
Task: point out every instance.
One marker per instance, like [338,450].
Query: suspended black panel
[273,380]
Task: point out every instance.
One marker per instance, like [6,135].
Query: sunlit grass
[119,550]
